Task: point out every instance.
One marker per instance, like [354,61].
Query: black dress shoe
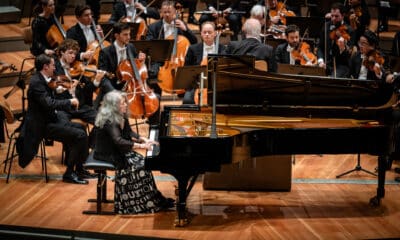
[167,203]
[85,174]
[73,178]
[397,179]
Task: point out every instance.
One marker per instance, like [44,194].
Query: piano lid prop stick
[213,133]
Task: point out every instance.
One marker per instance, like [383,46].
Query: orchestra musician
[197,53]
[118,144]
[336,43]
[83,32]
[228,13]
[277,11]
[191,5]
[358,16]
[252,45]
[293,52]
[78,86]
[127,9]
[368,63]
[40,26]
[42,122]
[111,57]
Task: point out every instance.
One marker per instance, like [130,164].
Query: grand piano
[255,113]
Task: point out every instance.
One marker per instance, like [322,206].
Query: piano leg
[380,192]
[185,184]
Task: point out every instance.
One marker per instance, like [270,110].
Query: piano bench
[99,167]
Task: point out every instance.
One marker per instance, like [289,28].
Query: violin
[355,14]
[63,81]
[4,66]
[303,55]
[281,11]
[338,32]
[371,58]
[78,69]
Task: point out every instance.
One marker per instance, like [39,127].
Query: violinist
[336,43]
[40,26]
[84,32]
[358,16]
[198,52]
[80,86]
[277,11]
[129,8]
[42,122]
[368,63]
[228,13]
[294,51]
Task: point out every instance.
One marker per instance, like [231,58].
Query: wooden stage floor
[319,206]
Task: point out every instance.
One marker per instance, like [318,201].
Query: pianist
[135,188]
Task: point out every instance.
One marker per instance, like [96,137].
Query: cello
[167,72]
[135,18]
[56,34]
[97,45]
[142,101]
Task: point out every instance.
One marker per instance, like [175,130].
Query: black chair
[100,168]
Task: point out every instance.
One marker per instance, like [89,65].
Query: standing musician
[42,121]
[78,85]
[294,51]
[40,26]
[336,43]
[228,12]
[358,16]
[197,53]
[83,32]
[368,63]
[252,45]
[111,57]
[130,8]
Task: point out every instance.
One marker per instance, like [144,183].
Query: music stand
[157,50]
[313,24]
[187,77]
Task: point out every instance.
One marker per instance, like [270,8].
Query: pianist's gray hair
[252,28]
[109,109]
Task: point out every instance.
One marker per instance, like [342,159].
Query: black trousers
[75,140]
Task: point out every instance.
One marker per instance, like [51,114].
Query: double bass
[142,101]
[167,72]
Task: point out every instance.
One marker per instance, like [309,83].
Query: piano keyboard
[155,149]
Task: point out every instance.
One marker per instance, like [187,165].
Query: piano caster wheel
[374,202]
[180,222]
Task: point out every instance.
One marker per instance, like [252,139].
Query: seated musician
[252,45]
[228,13]
[77,86]
[163,29]
[197,53]
[83,32]
[42,121]
[368,63]
[135,189]
[40,26]
[129,8]
[277,11]
[294,51]
[111,57]
[358,16]
[339,39]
